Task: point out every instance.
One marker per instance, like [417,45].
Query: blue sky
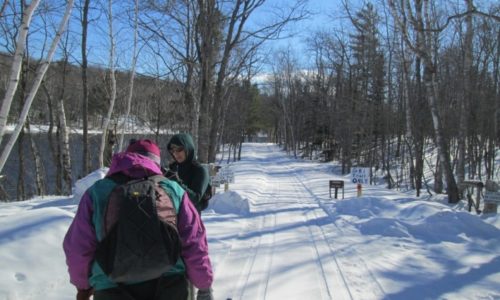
[327,15]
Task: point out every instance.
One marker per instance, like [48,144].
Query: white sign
[360,175]
[224,176]
[491,196]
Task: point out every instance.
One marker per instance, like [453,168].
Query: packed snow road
[279,236]
[284,248]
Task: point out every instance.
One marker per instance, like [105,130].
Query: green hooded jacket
[194,177]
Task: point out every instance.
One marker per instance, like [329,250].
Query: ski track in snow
[276,234]
[271,244]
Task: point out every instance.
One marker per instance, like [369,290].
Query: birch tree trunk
[39,74]
[64,146]
[64,134]
[112,99]
[21,173]
[430,82]
[15,69]
[132,77]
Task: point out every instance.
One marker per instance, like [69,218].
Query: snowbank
[83,184]
[223,202]
[278,223]
[229,202]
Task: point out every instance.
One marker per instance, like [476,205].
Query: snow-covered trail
[277,235]
[285,248]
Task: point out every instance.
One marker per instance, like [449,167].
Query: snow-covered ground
[276,235]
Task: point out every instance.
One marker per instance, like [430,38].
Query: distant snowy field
[276,235]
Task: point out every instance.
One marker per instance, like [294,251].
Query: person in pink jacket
[141,159]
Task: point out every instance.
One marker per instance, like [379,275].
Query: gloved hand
[205,294]
[84,294]
[172,175]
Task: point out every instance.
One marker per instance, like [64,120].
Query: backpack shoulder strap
[120,178]
[157,178]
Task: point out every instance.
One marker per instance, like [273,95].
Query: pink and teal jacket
[81,240]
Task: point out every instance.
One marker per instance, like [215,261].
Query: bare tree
[174,33]
[62,125]
[112,97]
[467,92]
[3,7]
[40,182]
[285,81]
[53,145]
[235,34]
[132,77]
[85,90]
[40,72]
[424,47]
[208,23]
[16,65]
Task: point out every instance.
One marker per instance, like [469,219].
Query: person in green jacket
[185,169]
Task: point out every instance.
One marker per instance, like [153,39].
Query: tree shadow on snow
[449,282]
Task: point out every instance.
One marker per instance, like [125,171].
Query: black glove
[205,294]
[84,294]
[172,175]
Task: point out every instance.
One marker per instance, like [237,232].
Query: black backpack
[140,238]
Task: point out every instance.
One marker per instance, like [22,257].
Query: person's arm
[194,245]
[195,186]
[198,185]
[171,172]
[80,244]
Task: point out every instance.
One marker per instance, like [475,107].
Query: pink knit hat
[146,148]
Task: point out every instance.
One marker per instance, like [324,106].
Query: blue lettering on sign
[360,175]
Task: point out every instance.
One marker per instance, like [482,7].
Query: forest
[381,88]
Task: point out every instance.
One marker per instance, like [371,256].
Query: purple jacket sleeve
[194,245]
[80,244]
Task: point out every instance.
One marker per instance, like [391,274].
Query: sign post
[336,184]
[224,176]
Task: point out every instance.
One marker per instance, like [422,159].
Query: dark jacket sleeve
[197,184]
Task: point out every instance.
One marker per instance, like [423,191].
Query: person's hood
[186,141]
[134,165]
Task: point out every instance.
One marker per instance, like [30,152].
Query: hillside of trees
[403,77]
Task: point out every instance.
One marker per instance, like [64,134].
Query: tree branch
[4,6]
